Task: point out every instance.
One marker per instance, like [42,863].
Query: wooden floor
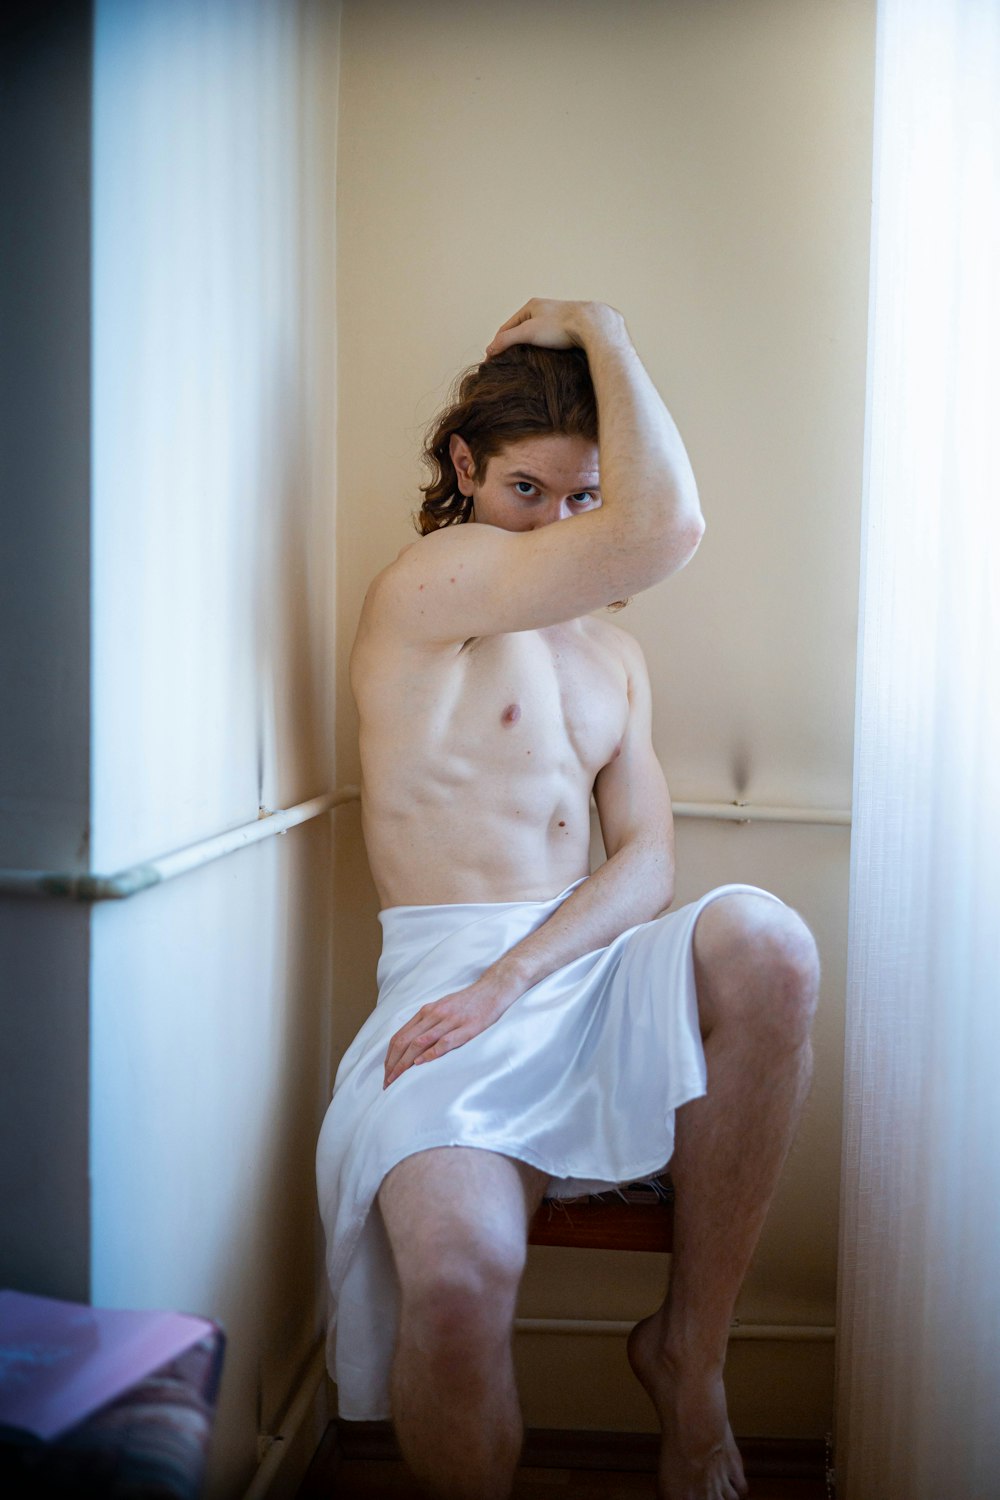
[365,1472]
[376,1479]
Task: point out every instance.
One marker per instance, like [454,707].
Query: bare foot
[699,1459]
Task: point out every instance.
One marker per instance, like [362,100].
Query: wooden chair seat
[638,1216]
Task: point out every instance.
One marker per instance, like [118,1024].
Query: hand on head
[551,324]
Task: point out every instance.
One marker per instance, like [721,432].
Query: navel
[510,715]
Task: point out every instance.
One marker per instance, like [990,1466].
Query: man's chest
[536,698]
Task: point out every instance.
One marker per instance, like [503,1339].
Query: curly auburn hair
[524,391]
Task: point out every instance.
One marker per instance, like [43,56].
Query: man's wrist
[512,975]
[597,323]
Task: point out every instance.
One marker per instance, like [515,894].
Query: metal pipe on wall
[91,887]
[116,887]
[820,1333]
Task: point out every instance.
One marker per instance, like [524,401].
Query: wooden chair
[639,1216]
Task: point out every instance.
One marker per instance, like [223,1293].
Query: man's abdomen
[487,844]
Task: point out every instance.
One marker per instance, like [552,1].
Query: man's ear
[461,457]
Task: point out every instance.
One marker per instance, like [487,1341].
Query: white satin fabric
[580,1077]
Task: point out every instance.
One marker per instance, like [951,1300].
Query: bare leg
[757,975]
[457,1219]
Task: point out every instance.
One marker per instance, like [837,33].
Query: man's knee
[757,961]
[464,1294]
[457,1224]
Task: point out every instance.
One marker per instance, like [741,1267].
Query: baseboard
[635,1452]
[325,1464]
[287,1454]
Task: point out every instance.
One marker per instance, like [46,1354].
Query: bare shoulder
[437,584]
[385,586]
[404,599]
[427,560]
[621,643]
[388,577]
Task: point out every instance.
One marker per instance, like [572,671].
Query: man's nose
[555,510]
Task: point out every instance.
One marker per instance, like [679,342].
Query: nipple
[510,715]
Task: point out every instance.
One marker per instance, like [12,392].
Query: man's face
[532,482]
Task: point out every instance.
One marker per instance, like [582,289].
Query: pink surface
[60,1361]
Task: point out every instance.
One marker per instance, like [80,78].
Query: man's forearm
[632,886]
[643,462]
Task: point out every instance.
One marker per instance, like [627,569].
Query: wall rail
[748,812]
[782,1333]
[140,877]
[89,886]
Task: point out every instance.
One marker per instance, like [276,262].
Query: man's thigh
[458,1207]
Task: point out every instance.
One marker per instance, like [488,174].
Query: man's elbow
[650,553]
[677,545]
[693,533]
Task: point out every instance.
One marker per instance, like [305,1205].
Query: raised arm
[647,483]
[475,579]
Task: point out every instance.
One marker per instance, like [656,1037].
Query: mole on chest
[510,715]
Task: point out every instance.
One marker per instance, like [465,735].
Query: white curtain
[918,1401]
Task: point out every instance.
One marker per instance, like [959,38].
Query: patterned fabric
[657,1189]
[150,1444]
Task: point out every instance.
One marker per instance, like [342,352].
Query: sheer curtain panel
[919,1318]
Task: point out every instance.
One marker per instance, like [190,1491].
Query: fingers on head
[521,316]
[518,317]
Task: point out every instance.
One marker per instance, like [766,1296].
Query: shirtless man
[492,704]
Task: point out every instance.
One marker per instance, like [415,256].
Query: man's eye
[584,497]
[527,486]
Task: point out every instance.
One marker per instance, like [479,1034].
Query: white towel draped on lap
[580,1077]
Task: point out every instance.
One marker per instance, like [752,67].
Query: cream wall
[167,1058]
[213,596]
[705,167]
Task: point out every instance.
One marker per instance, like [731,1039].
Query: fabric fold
[580,1077]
